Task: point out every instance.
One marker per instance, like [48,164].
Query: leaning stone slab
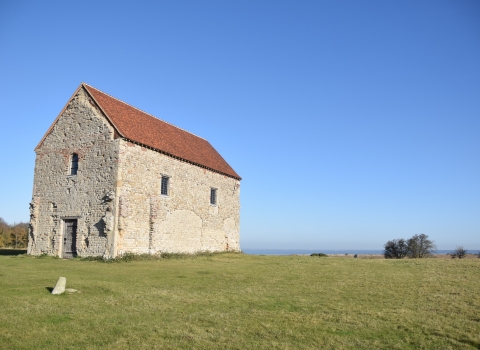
[60,286]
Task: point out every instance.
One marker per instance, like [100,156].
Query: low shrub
[322,255]
[460,253]
[129,257]
[93,258]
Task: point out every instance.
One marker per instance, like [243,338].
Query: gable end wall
[82,129]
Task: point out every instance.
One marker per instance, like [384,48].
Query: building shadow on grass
[13,251]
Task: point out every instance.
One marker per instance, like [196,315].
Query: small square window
[213,196]
[164,187]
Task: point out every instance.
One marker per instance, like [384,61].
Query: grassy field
[236,301]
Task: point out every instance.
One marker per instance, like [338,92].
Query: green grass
[236,301]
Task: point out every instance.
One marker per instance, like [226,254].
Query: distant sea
[329,251]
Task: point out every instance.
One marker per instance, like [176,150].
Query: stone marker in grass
[60,286]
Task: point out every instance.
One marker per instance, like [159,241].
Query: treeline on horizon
[13,236]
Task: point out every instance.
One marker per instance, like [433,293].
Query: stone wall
[183,221]
[88,196]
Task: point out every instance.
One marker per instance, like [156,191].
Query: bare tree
[419,246]
[396,249]
[459,252]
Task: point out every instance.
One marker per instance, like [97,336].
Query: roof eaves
[182,159]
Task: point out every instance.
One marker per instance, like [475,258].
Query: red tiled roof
[140,127]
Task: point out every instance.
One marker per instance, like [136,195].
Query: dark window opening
[164,187]
[213,196]
[74,164]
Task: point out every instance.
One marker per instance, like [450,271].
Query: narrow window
[213,196]
[164,189]
[74,164]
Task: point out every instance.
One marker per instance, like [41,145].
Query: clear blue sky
[351,122]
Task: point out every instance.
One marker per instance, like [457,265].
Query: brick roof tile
[145,129]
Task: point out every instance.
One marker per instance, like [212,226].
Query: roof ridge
[138,109]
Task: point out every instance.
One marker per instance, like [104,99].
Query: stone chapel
[110,179]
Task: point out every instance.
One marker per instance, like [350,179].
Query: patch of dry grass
[236,301]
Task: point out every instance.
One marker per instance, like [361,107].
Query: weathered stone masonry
[83,130]
[115,196]
[183,221]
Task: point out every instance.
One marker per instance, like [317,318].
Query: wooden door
[70,239]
